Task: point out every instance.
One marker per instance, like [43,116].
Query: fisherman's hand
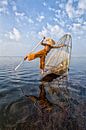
[42,41]
[65,45]
[25,57]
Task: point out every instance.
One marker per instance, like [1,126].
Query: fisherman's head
[49,41]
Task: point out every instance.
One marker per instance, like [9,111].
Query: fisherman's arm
[44,44]
[59,46]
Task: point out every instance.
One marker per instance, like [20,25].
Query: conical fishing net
[58,59]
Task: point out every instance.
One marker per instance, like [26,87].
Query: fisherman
[48,44]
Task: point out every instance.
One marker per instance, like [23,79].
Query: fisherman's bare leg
[42,64]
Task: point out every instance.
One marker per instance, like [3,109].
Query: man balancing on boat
[48,44]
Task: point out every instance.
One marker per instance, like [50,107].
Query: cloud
[44,32]
[78,29]
[30,20]
[4,2]
[40,18]
[81,7]
[74,13]
[15,34]
[44,4]
[19,14]
[82,4]
[57,2]
[51,9]
[55,19]
[84,23]
[62,5]
[13,48]
[52,30]
[14,8]
[69,9]
[76,26]
[3,6]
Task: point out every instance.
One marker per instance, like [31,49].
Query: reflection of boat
[58,60]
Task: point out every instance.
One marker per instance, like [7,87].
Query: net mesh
[58,60]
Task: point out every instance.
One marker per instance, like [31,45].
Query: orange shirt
[47,48]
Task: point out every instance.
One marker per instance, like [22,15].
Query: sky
[23,22]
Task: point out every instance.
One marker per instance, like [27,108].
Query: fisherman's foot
[42,71]
[46,70]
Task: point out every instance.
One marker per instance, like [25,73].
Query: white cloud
[44,32]
[69,9]
[57,2]
[82,4]
[14,8]
[78,29]
[12,48]
[55,30]
[79,12]
[5,2]
[3,6]
[55,19]
[19,14]
[76,26]
[15,34]
[32,36]
[44,3]
[52,30]
[84,23]
[40,18]
[30,20]
[51,9]
[61,5]
[81,7]
[80,20]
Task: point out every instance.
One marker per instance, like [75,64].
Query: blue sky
[22,22]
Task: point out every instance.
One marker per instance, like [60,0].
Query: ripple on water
[60,104]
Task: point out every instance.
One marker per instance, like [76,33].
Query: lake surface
[26,103]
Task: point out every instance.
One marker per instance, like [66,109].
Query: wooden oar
[30,52]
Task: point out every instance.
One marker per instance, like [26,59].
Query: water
[26,103]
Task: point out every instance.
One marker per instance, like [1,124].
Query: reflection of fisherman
[48,45]
[42,100]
